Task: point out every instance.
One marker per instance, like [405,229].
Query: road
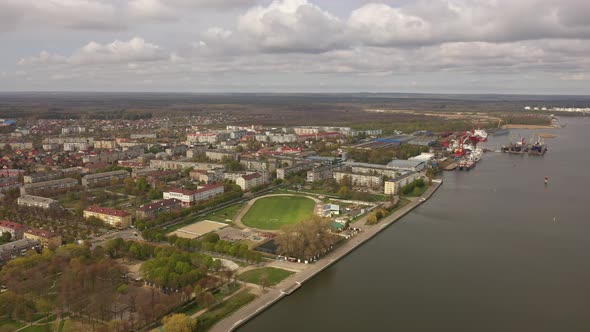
[126,234]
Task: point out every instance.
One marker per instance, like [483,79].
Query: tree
[264,282]
[6,237]
[344,192]
[179,323]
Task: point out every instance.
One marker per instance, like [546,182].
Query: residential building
[17,145]
[143,136]
[321,173]
[182,164]
[195,152]
[285,171]
[49,187]
[176,150]
[45,176]
[153,209]
[113,217]
[282,138]
[391,187]
[107,144]
[17,248]
[306,130]
[76,146]
[11,172]
[221,155]
[249,181]
[15,229]
[45,238]
[210,137]
[191,197]
[101,179]
[37,202]
[254,164]
[8,183]
[360,179]
[207,176]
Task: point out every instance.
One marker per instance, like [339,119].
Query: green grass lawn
[418,191]
[7,324]
[274,275]
[274,212]
[40,328]
[224,214]
[223,309]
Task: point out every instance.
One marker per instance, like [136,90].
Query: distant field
[274,212]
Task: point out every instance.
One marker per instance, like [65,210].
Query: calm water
[493,250]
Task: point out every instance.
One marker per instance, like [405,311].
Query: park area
[265,276]
[271,213]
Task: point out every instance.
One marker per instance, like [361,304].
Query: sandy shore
[517,126]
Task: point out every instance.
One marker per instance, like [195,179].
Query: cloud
[117,52]
[576,77]
[69,14]
[151,10]
[291,26]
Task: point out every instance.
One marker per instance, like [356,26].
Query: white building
[391,187]
[249,181]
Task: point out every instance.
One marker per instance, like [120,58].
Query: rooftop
[107,211]
[40,233]
[10,224]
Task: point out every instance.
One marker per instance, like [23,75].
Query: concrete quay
[291,284]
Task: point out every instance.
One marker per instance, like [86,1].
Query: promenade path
[275,293]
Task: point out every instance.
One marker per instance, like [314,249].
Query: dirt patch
[198,229]
[547,135]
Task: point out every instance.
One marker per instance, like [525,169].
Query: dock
[451,167]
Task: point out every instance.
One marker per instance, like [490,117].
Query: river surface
[493,250]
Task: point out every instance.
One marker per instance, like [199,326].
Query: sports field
[273,212]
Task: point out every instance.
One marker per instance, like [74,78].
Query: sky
[423,46]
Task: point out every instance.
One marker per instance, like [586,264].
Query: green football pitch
[273,212]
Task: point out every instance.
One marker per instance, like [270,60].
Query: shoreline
[292,283]
[518,126]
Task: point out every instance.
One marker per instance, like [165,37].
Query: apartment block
[37,202]
[102,179]
[49,187]
[113,217]
[45,238]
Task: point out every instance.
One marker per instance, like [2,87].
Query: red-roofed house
[153,209]
[191,197]
[15,229]
[46,238]
[113,217]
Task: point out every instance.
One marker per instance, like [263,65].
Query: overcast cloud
[470,46]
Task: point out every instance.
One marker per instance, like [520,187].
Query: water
[493,250]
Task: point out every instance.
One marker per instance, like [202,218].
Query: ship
[520,147]
[480,134]
[538,148]
[466,165]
